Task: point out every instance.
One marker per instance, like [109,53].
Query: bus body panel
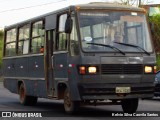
[29,70]
[60,65]
[21,67]
[36,66]
[51,22]
[74,78]
[33,87]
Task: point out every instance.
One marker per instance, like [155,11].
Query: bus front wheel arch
[61,89]
[24,98]
[69,105]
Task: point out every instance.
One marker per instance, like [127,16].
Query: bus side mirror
[68,25]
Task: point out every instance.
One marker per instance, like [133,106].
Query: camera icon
[6,114]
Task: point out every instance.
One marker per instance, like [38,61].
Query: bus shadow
[154,99]
[94,112]
[50,108]
[54,109]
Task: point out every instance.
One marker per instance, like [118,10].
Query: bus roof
[94,5]
[106,5]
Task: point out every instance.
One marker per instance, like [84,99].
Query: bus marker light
[155,69]
[78,8]
[60,65]
[82,70]
[21,67]
[71,65]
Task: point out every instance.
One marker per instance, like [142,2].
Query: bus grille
[121,69]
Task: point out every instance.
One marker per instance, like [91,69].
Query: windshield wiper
[138,47]
[114,48]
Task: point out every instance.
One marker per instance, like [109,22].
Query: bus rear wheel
[69,105]
[25,99]
[130,105]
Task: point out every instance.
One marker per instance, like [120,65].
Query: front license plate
[123,89]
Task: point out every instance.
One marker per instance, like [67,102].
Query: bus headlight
[148,69]
[92,70]
[86,70]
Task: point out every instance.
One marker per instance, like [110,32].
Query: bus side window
[10,42]
[23,40]
[62,36]
[37,37]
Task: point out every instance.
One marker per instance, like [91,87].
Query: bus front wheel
[25,99]
[130,105]
[69,105]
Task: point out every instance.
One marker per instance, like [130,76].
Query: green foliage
[1,47]
[158,61]
[155,21]
[1,34]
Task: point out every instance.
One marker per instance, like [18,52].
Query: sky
[13,11]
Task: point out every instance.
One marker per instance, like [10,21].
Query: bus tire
[130,105]
[70,106]
[25,99]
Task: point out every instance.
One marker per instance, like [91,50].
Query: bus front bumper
[108,91]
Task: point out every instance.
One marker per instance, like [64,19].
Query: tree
[155,20]
[128,2]
[135,2]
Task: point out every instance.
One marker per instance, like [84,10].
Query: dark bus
[94,54]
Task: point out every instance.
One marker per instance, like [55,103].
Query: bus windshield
[100,28]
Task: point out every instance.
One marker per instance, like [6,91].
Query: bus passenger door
[49,72]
